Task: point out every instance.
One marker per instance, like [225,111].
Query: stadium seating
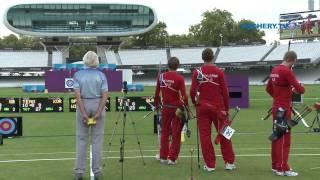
[304,50]
[111,57]
[189,55]
[242,54]
[143,57]
[28,58]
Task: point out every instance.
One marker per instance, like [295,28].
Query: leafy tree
[158,36]
[181,40]
[10,41]
[77,52]
[214,23]
[243,32]
[217,23]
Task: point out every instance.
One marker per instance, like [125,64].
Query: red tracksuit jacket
[280,85]
[215,93]
[172,86]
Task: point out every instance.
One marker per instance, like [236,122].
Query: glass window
[140,9]
[146,10]
[70,6]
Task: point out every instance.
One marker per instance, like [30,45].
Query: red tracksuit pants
[281,147]
[170,121]
[207,116]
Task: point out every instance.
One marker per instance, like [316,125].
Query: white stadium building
[252,61]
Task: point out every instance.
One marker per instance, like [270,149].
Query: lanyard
[201,76]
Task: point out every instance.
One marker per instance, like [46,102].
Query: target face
[68,83]
[7,126]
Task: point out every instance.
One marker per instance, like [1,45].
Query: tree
[214,23]
[29,42]
[244,34]
[10,41]
[218,25]
[78,51]
[158,36]
[21,42]
[181,40]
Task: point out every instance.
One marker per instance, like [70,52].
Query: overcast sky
[180,14]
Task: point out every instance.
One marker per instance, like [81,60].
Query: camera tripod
[123,110]
[315,122]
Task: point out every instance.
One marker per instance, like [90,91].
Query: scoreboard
[42,104]
[56,104]
[145,103]
[9,105]
[73,104]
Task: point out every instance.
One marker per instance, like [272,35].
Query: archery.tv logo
[249,26]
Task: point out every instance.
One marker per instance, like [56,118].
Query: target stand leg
[316,123]
[1,139]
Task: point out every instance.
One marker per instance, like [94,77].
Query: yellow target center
[6,126]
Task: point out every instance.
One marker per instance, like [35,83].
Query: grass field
[47,149]
[286,33]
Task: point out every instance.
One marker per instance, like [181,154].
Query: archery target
[7,126]
[68,83]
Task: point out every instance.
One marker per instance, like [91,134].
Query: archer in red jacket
[210,95]
[280,86]
[173,93]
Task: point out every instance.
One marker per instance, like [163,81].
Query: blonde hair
[91,59]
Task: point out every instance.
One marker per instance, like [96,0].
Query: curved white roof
[100,31]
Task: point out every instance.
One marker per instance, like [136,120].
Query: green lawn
[48,143]
[286,33]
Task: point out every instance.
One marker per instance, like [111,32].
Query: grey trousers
[97,136]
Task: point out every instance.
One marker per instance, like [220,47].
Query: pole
[289,45]
[122,140]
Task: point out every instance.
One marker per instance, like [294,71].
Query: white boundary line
[150,150]
[136,157]
[270,99]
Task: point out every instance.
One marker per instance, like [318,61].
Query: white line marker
[149,150]
[137,157]
[264,99]
[91,171]
[315,168]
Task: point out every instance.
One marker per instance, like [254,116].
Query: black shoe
[98,177]
[78,177]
